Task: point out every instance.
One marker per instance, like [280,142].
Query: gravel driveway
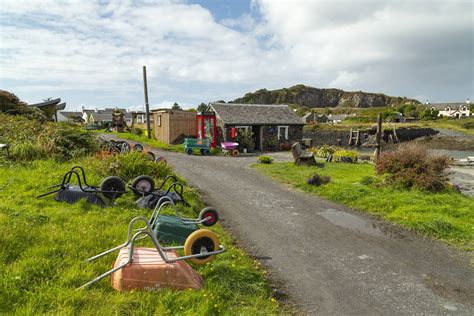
[331,260]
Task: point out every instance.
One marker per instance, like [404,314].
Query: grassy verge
[151,142]
[447,216]
[44,244]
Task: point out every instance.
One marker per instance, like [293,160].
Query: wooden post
[147,108]
[378,136]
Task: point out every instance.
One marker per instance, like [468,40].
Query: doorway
[257,136]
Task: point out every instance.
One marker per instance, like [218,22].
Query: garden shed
[172,126]
[271,126]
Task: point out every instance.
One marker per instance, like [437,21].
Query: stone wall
[341,138]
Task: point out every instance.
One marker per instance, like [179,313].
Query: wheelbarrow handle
[48,193]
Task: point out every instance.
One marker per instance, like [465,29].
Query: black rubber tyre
[114,150]
[161,160]
[143,185]
[189,151]
[138,147]
[209,212]
[151,155]
[207,152]
[114,185]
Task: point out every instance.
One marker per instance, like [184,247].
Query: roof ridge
[250,104]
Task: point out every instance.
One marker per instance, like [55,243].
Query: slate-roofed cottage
[270,124]
[453,109]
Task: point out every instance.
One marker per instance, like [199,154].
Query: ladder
[354,137]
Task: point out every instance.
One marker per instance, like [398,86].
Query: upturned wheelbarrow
[103,195]
[200,248]
[176,228]
[144,187]
[230,148]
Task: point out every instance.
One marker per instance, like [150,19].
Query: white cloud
[92,52]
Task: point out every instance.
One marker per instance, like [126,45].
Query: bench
[302,157]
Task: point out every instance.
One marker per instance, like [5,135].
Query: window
[283,132]
[159,120]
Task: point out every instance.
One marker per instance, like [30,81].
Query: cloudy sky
[91,53]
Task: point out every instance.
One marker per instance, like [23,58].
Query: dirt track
[333,261]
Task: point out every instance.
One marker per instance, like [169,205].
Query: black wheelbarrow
[103,195]
[144,187]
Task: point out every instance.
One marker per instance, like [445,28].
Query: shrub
[137,131]
[265,159]
[411,166]
[27,151]
[317,180]
[349,156]
[367,180]
[130,165]
[468,125]
[324,151]
[65,141]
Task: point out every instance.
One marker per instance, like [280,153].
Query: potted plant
[246,141]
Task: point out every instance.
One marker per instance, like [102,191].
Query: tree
[176,106]
[202,107]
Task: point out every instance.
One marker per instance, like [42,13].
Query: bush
[129,166]
[367,180]
[137,131]
[317,180]
[468,125]
[324,151]
[411,166]
[27,151]
[65,141]
[349,156]
[265,159]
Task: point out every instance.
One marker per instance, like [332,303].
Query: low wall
[341,137]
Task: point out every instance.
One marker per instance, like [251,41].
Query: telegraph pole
[378,137]
[147,107]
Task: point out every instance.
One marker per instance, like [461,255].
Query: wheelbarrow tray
[150,201]
[172,230]
[148,271]
[72,194]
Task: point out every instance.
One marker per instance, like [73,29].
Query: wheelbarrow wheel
[138,147]
[235,153]
[114,187]
[209,212]
[161,160]
[151,155]
[115,150]
[201,241]
[143,185]
[189,151]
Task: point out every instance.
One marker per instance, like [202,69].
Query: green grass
[44,244]
[447,216]
[151,142]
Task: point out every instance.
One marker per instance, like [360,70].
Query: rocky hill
[319,98]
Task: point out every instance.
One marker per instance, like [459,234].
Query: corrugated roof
[255,114]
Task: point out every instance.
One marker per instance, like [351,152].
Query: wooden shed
[172,126]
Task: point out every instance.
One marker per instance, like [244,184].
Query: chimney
[96,110]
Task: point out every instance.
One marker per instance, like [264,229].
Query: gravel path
[331,260]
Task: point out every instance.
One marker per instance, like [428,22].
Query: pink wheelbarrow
[230,148]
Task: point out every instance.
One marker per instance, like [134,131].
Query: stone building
[269,124]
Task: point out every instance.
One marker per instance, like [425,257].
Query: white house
[453,109]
